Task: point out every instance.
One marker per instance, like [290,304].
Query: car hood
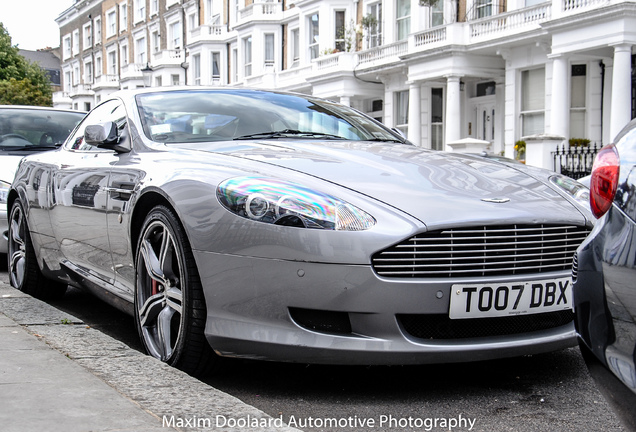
[8,166]
[438,188]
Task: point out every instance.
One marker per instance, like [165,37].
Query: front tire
[170,310]
[24,272]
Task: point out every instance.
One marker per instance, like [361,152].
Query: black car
[604,274]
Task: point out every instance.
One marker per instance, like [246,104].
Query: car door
[80,194]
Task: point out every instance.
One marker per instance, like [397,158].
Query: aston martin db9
[276,226]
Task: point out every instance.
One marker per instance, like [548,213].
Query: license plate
[508,299]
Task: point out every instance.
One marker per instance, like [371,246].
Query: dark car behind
[604,273]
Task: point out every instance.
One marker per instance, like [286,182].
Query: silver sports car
[266,225]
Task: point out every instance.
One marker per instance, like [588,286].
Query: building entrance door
[485,121]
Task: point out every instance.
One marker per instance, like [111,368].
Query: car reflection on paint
[277,226]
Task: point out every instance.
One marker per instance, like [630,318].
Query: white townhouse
[450,74]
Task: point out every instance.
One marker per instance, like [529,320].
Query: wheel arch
[13,195]
[144,204]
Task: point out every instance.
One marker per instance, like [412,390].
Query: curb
[162,397]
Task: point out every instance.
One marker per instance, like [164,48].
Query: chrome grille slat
[486,272]
[492,237]
[471,259]
[481,251]
[402,248]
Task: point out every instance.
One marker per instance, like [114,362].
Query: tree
[21,81]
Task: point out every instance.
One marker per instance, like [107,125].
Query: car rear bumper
[346,314]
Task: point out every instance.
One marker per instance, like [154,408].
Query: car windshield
[219,115]
[35,129]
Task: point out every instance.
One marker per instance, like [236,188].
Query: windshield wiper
[30,147]
[286,133]
[385,140]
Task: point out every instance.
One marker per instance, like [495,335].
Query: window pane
[314,35]
[269,48]
[216,59]
[578,83]
[403,8]
[402,104]
[437,137]
[403,19]
[295,42]
[340,30]
[533,90]
[577,124]
[532,124]
[437,105]
[437,14]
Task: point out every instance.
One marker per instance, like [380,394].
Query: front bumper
[341,314]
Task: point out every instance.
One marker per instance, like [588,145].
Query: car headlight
[576,190]
[4,193]
[283,203]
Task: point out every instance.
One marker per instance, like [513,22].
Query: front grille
[441,327]
[482,251]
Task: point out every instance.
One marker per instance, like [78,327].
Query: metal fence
[575,162]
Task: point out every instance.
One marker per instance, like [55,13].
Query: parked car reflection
[25,130]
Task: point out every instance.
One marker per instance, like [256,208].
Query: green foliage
[21,81]
[429,3]
[369,22]
[579,142]
[520,150]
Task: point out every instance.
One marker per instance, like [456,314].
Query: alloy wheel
[159,290]
[17,247]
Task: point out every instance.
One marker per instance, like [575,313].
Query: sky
[31,23]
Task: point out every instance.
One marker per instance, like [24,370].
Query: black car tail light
[604,180]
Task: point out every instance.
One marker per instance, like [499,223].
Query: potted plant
[520,150]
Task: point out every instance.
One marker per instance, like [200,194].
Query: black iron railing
[575,161]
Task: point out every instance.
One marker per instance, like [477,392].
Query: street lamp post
[147,72]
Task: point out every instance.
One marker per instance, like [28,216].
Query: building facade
[467,75]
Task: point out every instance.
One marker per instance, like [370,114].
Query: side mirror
[100,134]
[399,132]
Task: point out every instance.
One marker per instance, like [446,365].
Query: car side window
[112,110]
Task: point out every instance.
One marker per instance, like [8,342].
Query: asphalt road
[550,392]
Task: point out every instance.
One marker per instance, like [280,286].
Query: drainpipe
[184,32]
[602,65]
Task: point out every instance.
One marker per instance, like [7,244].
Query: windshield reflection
[221,115]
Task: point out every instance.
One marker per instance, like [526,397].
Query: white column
[452,122]
[415,114]
[560,109]
[345,100]
[621,89]
[500,103]
[389,117]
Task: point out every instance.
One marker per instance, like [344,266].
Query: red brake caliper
[155,290]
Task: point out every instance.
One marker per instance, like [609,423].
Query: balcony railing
[383,52]
[511,21]
[208,32]
[261,10]
[172,57]
[572,5]
[429,37]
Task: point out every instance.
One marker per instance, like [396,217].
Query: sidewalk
[57,374]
